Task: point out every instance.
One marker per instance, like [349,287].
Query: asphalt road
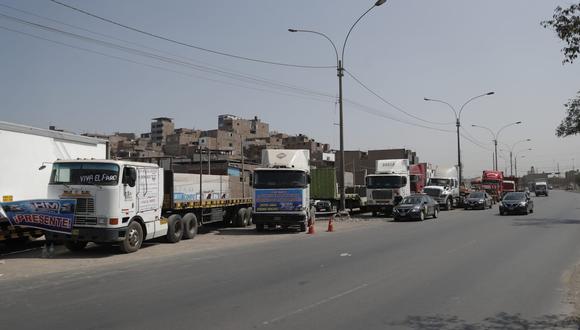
[465,270]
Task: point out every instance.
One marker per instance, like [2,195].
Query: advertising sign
[56,215]
[276,200]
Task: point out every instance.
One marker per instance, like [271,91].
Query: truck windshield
[439,182]
[280,179]
[379,182]
[102,174]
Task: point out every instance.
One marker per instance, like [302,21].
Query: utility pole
[242,177]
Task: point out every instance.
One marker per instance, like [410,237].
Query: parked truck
[443,187]
[324,188]
[127,203]
[282,190]
[419,174]
[24,150]
[541,188]
[390,183]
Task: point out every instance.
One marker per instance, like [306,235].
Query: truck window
[102,174]
[280,179]
[439,182]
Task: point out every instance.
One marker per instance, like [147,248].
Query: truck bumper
[97,235]
[287,219]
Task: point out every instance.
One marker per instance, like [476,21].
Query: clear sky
[403,50]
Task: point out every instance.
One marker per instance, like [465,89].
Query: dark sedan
[516,202]
[478,200]
[416,207]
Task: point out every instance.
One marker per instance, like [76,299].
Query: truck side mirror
[129,176]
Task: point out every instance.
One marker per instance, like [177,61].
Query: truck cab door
[129,191]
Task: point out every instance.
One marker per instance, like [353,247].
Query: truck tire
[174,228]
[375,213]
[75,245]
[133,238]
[241,218]
[259,228]
[189,226]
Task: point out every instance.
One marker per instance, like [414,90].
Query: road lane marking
[312,306]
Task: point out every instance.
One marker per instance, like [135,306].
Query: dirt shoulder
[31,261]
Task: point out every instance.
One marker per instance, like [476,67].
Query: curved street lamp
[340,74]
[458,124]
[511,150]
[496,135]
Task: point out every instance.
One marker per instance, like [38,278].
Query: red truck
[419,173]
[492,181]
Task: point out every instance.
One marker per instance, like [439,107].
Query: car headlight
[523,204]
[417,208]
[501,204]
[480,201]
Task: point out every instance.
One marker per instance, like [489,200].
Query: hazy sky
[403,50]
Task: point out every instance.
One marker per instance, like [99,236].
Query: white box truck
[24,150]
[127,202]
[443,186]
[390,183]
[282,190]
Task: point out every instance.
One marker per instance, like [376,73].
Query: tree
[566,23]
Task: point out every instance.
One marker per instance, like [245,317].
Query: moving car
[416,207]
[516,202]
[478,200]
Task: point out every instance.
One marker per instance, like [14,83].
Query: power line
[391,104]
[220,72]
[189,45]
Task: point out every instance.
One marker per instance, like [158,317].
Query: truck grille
[82,220]
[432,192]
[382,194]
[85,206]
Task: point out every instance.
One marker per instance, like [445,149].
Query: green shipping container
[323,184]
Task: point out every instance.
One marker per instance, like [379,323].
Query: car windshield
[514,196]
[85,174]
[477,195]
[384,181]
[280,179]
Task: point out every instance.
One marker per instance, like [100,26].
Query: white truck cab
[443,187]
[116,201]
[390,183]
[282,190]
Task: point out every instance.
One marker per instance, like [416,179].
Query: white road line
[321,302]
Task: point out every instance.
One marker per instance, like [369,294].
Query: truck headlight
[102,221]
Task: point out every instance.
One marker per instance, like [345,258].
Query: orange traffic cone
[311,228]
[330,224]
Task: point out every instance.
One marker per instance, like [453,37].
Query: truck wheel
[241,218]
[260,227]
[189,226]
[375,213]
[75,245]
[174,228]
[133,238]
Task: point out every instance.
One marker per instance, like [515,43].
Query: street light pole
[458,125]
[340,74]
[495,137]
[511,150]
